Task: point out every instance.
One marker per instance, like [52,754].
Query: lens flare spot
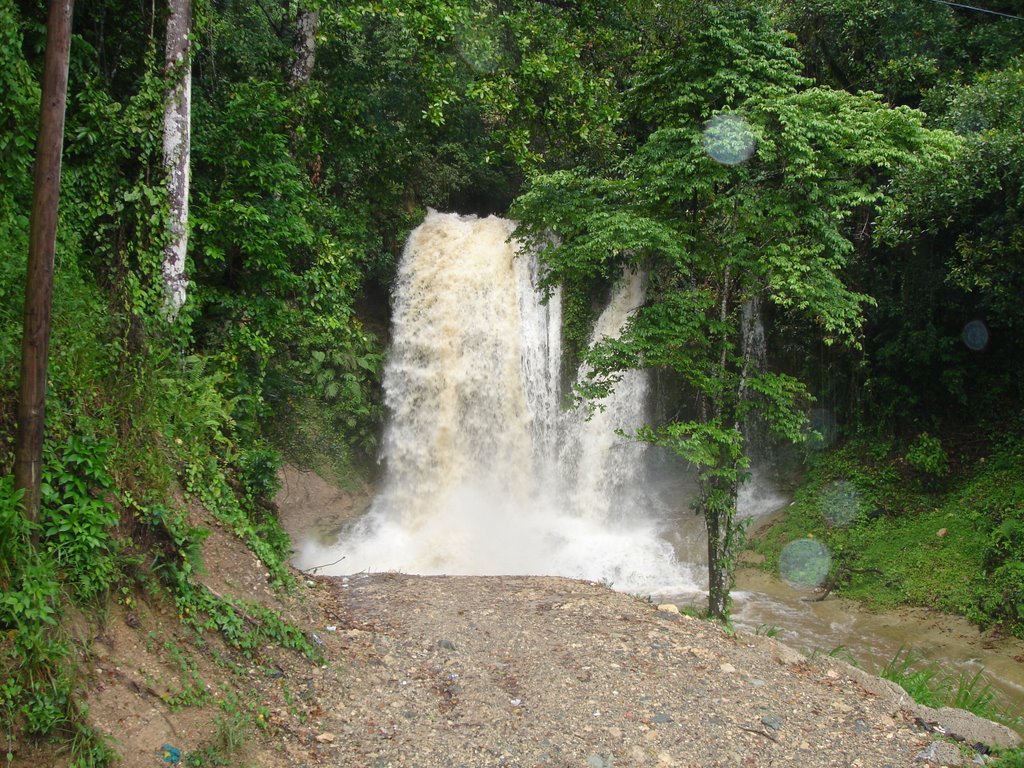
[975,335]
[728,139]
[805,563]
[840,503]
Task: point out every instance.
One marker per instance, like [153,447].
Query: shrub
[927,456]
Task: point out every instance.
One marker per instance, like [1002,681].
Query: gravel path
[522,671]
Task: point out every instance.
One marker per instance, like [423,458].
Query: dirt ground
[439,672]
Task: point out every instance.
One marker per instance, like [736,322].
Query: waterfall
[604,466]
[485,472]
[757,494]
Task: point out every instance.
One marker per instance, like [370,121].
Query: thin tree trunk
[718,590]
[718,515]
[177,151]
[28,453]
[718,503]
[306,23]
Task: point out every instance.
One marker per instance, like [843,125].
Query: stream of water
[488,470]
[873,638]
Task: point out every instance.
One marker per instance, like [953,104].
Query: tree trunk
[28,453]
[718,588]
[718,505]
[177,150]
[306,23]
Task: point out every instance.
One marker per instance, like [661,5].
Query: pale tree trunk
[306,23]
[177,150]
[28,451]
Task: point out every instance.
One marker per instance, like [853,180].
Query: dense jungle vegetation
[854,167]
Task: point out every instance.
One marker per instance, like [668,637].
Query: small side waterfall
[485,472]
[605,467]
[757,496]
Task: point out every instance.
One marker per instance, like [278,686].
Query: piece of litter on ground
[169,754]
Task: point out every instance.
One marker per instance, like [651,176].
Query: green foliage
[29,590]
[206,480]
[137,409]
[302,198]
[926,455]
[277,276]
[36,664]
[858,45]
[89,749]
[1008,759]
[719,234]
[19,108]
[1004,562]
[958,215]
[550,93]
[980,209]
[745,55]
[886,538]
[246,626]
[927,684]
[78,514]
[192,691]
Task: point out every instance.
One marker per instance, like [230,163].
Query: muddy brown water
[871,638]
[764,602]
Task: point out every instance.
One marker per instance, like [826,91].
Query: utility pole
[28,453]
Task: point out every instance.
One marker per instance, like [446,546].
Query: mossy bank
[925,522]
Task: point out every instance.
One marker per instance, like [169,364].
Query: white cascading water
[757,494]
[485,472]
[607,468]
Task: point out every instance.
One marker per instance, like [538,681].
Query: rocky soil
[518,671]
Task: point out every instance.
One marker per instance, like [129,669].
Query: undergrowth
[902,530]
[132,449]
[927,683]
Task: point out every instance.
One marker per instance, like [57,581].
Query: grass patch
[928,684]
[1011,759]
